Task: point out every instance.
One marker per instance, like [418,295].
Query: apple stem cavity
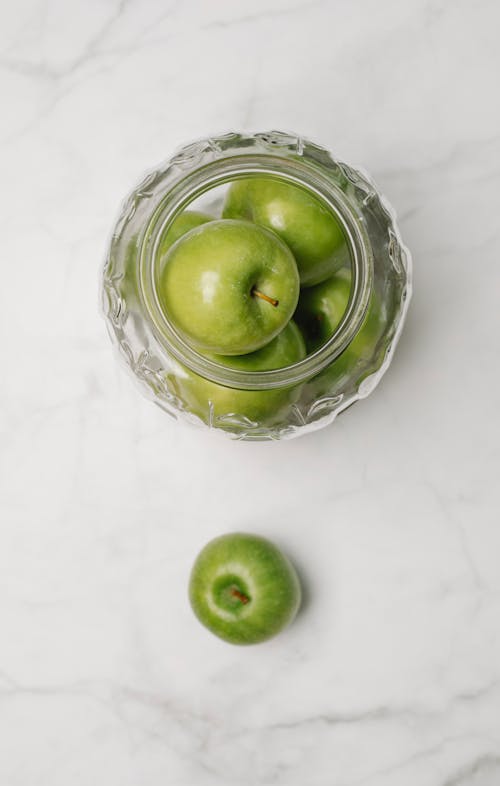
[237,594]
[271,300]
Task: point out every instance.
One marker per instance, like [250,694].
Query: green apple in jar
[229,286]
[319,312]
[217,404]
[301,220]
[181,224]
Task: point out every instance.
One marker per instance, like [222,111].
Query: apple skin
[243,589]
[306,226]
[318,313]
[184,222]
[216,404]
[208,279]
[180,225]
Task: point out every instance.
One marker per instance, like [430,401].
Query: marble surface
[391,674]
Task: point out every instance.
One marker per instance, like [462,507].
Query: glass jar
[274,403]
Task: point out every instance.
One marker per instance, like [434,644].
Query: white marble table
[391,674]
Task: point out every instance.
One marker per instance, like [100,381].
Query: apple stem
[268,299]
[237,594]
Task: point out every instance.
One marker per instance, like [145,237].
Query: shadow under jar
[372,295]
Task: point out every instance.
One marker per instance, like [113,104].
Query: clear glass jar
[300,397]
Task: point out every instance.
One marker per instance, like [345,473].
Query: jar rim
[297,171]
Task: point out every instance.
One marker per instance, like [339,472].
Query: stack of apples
[255,290]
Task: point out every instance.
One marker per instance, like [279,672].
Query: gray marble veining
[391,673]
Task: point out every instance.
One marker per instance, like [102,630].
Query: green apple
[181,224]
[229,286]
[299,218]
[218,405]
[318,314]
[243,589]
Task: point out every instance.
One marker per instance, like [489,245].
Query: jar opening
[197,183]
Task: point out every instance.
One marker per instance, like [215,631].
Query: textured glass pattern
[147,354]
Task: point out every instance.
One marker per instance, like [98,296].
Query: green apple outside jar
[243,589]
[256,285]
